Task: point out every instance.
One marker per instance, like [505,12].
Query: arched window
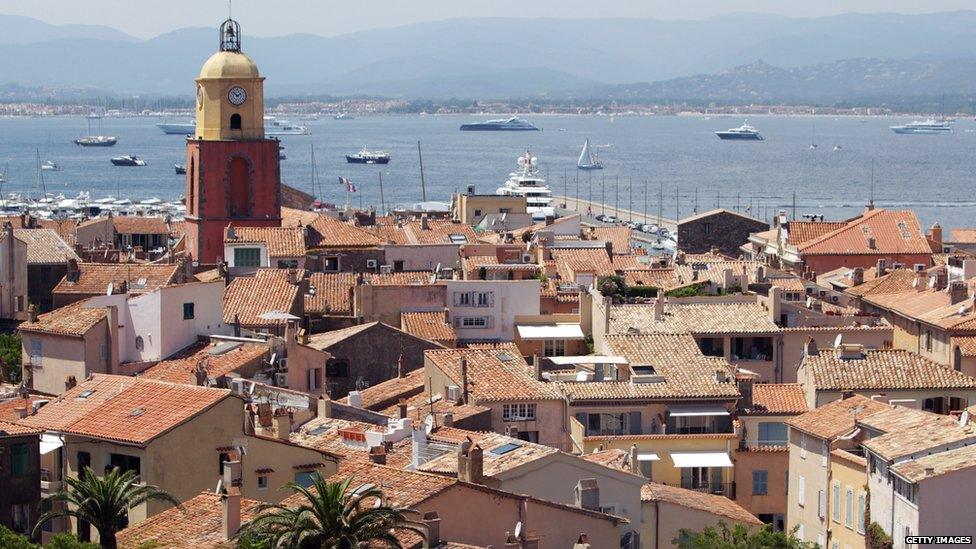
[957,359]
[235,121]
[239,179]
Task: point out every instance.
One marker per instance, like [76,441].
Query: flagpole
[382,201]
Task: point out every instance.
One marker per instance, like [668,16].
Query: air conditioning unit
[453,393]
[281,379]
[237,386]
[527,258]
[385,269]
[283,364]
[371,263]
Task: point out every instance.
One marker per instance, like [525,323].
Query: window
[706,228]
[338,368]
[821,504]
[803,446]
[612,424]
[287,263]
[861,505]
[824,450]
[849,508]
[518,412]
[477,212]
[928,340]
[554,347]
[247,257]
[84,461]
[398,265]
[330,263]
[820,539]
[836,509]
[760,481]
[235,121]
[801,490]
[462,299]
[647,468]
[19,460]
[20,518]
[103,351]
[484,299]
[474,322]
[36,351]
[262,482]
[304,478]
[772,433]
[187,311]
[125,463]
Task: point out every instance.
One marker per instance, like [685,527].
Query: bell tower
[233,174]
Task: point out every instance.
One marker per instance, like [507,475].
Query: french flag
[348,184]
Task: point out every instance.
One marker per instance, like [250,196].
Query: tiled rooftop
[943,463]
[124,409]
[778,399]
[440,232]
[893,231]
[45,247]
[882,369]
[511,454]
[909,431]
[333,293]
[327,232]
[895,281]
[836,418]
[499,374]
[618,237]
[131,224]
[15,429]
[430,325]
[281,241]
[805,231]
[71,320]
[196,524]
[249,297]
[700,501]
[582,260]
[693,318]
[219,359]
[94,278]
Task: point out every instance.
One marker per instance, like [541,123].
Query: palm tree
[104,502]
[333,516]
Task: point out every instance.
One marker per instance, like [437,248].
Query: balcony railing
[726,489]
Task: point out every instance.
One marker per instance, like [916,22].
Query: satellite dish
[428,423]
[220,486]
[964,418]
[518,529]
[110,289]
[837,340]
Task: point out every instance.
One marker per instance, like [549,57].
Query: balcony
[726,489]
[49,482]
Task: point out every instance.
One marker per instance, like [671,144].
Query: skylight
[86,394]
[458,238]
[505,448]
[138,412]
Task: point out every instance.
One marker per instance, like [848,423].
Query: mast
[423,186]
[312,147]
[382,200]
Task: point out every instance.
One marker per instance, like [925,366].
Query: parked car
[610,219]
[649,228]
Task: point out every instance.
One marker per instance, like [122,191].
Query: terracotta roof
[628,262]
[613,458]
[967,344]
[701,501]
[676,357]
[618,237]
[439,232]
[805,231]
[582,260]
[325,340]
[281,241]
[400,278]
[847,456]
[893,231]
[64,227]
[129,224]
[71,320]
[909,431]
[942,463]
[494,375]
[388,233]
[8,429]
[328,232]
[836,418]
[141,278]
[789,284]
[250,297]
[196,524]
[882,369]
[518,453]
[332,295]
[896,281]
[778,399]
[693,318]
[327,435]
[219,359]
[8,408]
[385,398]
[389,392]
[400,488]
[45,247]
[693,271]
[210,275]
[432,325]
[124,409]
[962,236]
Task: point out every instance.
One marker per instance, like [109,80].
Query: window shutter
[457,298]
[598,372]
[635,423]
[821,504]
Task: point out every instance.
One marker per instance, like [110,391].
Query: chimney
[230,502]
[432,522]
[69,383]
[929,471]
[355,399]
[72,271]
[292,275]
[882,267]
[634,466]
[464,380]
[872,243]
[448,420]
[32,313]
[377,455]
[21,412]
[659,307]
[249,420]
[935,234]
[323,408]
[857,276]
[587,494]
[958,292]
[424,223]
[237,325]
[810,347]
[471,462]
[282,421]
[401,371]
[402,408]
[200,373]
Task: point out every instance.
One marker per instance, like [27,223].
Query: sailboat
[813,137]
[587,159]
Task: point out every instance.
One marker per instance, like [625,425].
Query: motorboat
[368,157]
[128,160]
[745,132]
[526,181]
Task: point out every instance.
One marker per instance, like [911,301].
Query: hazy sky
[147,18]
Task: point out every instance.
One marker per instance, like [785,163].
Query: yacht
[51,166]
[178,128]
[744,132]
[588,159]
[96,141]
[928,127]
[368,157]
[527,182]
[274,126]
[513,124]
[180,169]
[128,160]
[343,116]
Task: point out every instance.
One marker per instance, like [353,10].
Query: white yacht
[528,183]
[928,127]
[275,126]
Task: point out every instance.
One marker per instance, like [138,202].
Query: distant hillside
[483,58]
[834,82]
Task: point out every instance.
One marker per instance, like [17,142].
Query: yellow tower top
[230,92]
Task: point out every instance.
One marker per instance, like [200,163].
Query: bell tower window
[235,121]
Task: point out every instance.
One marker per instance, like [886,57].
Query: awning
[650,456]
[551,331]
[701,459]
[591,359]
[49,443]
[698,410]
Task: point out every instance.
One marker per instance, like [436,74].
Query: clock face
[237,95]
[199,96]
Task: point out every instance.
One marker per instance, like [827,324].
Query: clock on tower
[233,175]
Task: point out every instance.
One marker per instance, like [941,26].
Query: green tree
[331,515]
[65,540]
[10,348]
[739,537]
[104,502]
[12,540]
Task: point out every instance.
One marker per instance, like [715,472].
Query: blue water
[933,175]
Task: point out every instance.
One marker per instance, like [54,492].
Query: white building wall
[509,298]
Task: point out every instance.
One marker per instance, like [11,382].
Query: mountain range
[510,57]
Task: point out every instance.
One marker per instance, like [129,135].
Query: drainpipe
[657,525]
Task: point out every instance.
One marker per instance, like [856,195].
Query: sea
[674,165]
